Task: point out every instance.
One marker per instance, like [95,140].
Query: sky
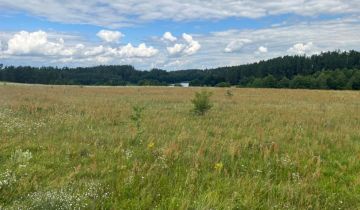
[172,35]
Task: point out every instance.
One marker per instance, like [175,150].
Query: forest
[337,70]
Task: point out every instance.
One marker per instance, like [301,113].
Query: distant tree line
[335,80]
[328,70]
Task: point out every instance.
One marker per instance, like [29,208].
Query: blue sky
[172,34]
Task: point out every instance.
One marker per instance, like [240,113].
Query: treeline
[335,80]
[329,70]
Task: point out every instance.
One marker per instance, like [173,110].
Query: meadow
[72,147]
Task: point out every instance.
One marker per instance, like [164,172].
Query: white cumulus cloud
[95,51]
[169,37]
[141,51]
[128,51]
[193,46]
[263,49]
[236,45]
[301,48]
[52,49]
[110,36]
[177,48]
[188,46]
[36,43]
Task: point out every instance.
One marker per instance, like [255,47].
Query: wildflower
[128,154]
[151,145]
[218,166]
[7,179]
[21,157]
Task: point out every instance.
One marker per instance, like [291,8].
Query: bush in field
[355,81]
[229,93]
[136,117]
[202,102]
[223,84]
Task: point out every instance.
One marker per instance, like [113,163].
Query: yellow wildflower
[151,145]
[218,166]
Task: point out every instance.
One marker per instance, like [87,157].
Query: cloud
[236,45]
[176,49]
[301,48]
[110,36]
[1,50]
[169,37]
[141,51]
[192,47]
[325,35]
[176,63]
[37,46]
[36,43]
[127,51]
[187,38]
[108,55]
[188,47]
[94,51]
[124,13]
[263,49]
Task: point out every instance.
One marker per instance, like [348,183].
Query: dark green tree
[284,83]
[355,81]
[321,81]
[302,82]
[269,81]
[223,84]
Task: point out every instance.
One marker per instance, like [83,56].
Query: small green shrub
[223,84]
[229,93]
[136,117]
[202,102]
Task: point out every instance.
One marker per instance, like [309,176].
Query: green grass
[80,147]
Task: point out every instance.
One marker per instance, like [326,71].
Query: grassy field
[78,147]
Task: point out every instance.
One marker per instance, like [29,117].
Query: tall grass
[259,149]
